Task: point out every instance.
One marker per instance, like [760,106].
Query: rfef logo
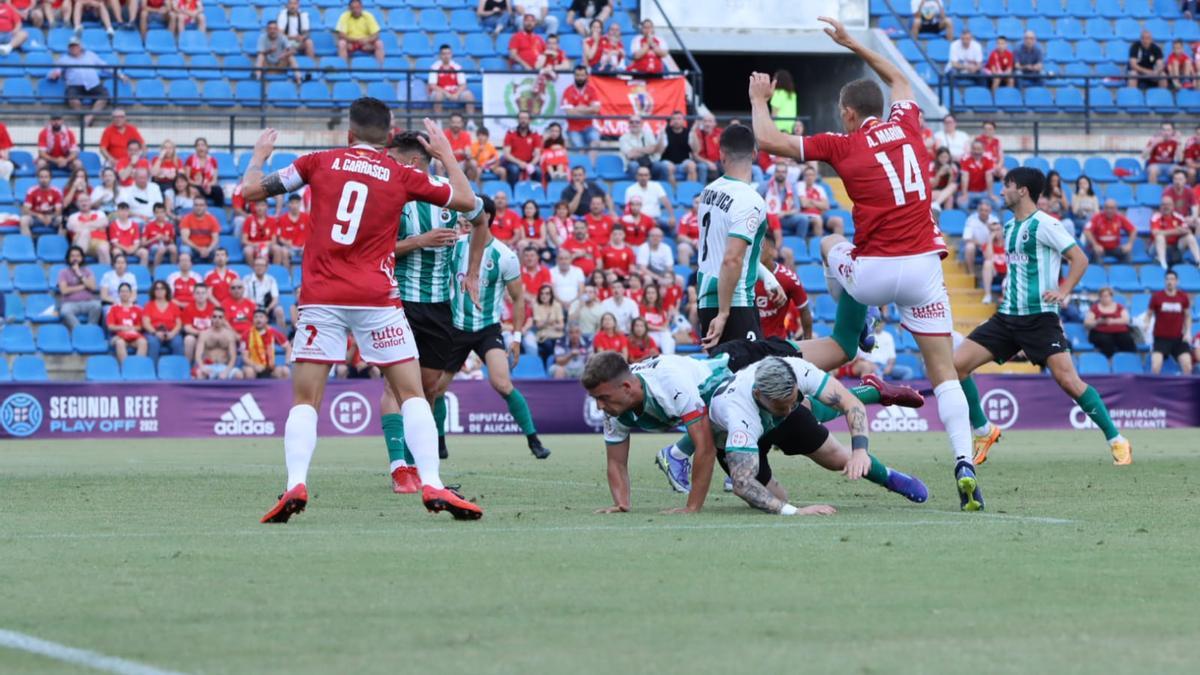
[21,415]
[350,412]
[896,418]
[1000,407]
[244,418]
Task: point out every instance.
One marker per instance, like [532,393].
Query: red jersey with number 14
[773,319]
[883,165]
[358,194]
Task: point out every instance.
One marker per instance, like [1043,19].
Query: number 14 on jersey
[914,179]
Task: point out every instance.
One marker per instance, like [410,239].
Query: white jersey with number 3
[729,208]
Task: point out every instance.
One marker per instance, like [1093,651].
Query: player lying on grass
[896,257]
[358,194]
[1027,319]
[761,407]
[675,460]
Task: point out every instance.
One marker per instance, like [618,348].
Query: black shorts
[1174,347]
[97,92]
[462,343]
[1040,336]
[744,352]
[930,27]
[799,434]
[431,325]
[742,324]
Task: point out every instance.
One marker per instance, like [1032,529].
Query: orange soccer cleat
[448,499]
[405,480]
[291,502]
[985,443]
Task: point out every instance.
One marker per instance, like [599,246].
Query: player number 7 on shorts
[349,213]
[913,180]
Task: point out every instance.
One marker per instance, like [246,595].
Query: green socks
[868,395]
[518,408]
[823,413]
[1093,405]
[878,473]
[393,436]
[848,324]
[978,419]
[439,415]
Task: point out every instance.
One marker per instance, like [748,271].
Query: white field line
[80,657]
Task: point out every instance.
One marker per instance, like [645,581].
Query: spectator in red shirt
[581,248]
[1162,152]
[649,52]
[197,317]
[507,224]
[114,142]
[534,274]
[125,325]
[636,224]
[12,36]
[813,203]
[599,222]
[162,322]
[532,234]
[522,151]
[124,236]
[293,227]
[579,102]
[977,179]
[1000,65]
[6,165]
[641,345]
[617,256]
[165,166]
[1180,66]
[239,310]
[1169,230]
[706,143]
[555,162]
[687,234]
[525,46]
[991,147]
[609,338]
[1182,196]
[1191,155]
[448,83]
[1102,234]
[460,142]
[201,170]
[57,148]
[659,315]
[43,206]
[1108,325]
[1171,308]
[258,350]
[133,160]
[183,283]
[259,235]
[200,231]
[220,276]
[159,236]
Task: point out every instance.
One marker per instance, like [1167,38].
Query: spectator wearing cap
[525,46]
[1029,59]
[57,148]
[12,36]
[447,82]
[81,69]
[1146,63]
[641,147]
[275,54]
[582,12]
[540,11]
[114,141]
[357,30]
[294,24]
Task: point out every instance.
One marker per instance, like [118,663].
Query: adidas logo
[244,418]
[896,418]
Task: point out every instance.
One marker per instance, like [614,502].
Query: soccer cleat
[985,443]
[678,471]
[728,484]
[406,480]
[910,487]
[535,446]
[443,451]
[894,394]
[969,495]
[448,499]
[866,339]
[290,503]
[1122,451]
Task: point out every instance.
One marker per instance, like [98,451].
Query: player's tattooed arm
[856,419]
[743,469]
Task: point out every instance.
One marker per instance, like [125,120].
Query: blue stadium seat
[29,278]
[224,42]
[160,42]
[529,368]
[5,376]
[1011,28]
[1161,101]
[315,94]
[152,92]
[173,367]
[1153,277]
[1124,278]
[383,91]
[1109,9]
[128,42]
[249,93]
[418,45]
[982,27]
[1093,363]
[1069,99]
[205,67]
[952,222]
[40,308]
[18,90]
[1068,168]
[404,20]
[479,45]
[448,38]
[14,308]
[283,94]
[938,50]
[1149,195]
[1099,170]
[1188,100]
[824,308]
[29,369]
[1078,335]
[491,187]
[1189,278]
[1059,50]
[1039,99]
[1067,28]
[18,248]
[215,18]
[1009,99]
[433,22]
[1125,363]
[1094,278]
[217,94]
[184,92]
[1101,100]
[6,284]
[324,44]
[1187,31]
[913,362]
[686,191]
[978,99]
[1119,192]
[138,369]
[89,338]
[1039,163]
[1144,9]
[17,339]
[1131,100]
[610,167]
[244,18]
[1140,254]
[1160,30]
[345,92]
[102,368]
[1089,51]
[54,339]
[194,42]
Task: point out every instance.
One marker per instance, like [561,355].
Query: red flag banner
[624,97]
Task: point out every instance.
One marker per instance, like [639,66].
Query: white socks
[396,465]
[299,443]
[955,416]
[676,453]
[420,435]
[982,431]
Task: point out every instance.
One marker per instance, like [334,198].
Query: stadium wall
[260,408]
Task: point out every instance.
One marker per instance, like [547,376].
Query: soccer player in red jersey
[772,317]
[898,259]
[358,194]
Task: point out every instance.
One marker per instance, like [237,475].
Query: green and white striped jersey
[677,390]
[729,208]
[1035,247]
[423,274]
[500,267]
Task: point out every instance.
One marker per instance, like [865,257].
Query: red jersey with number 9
[357,196]
[883,165]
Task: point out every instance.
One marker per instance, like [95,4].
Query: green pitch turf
[151,551]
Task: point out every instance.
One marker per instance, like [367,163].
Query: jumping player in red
[898,257]
[350,288]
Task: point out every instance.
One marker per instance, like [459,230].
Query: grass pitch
[152,552]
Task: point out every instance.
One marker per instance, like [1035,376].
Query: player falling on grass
[427,233]
[675,460]
[761,408]
[1027,320]
[349,286]
[898,257]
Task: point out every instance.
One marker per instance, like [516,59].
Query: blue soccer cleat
[866,339]
[678,471]
[910,487]
[969,494]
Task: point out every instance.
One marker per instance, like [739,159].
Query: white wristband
[516,336]
[474,212]
[788,510]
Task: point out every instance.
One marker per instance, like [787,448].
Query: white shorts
[915,283]
[383,335]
